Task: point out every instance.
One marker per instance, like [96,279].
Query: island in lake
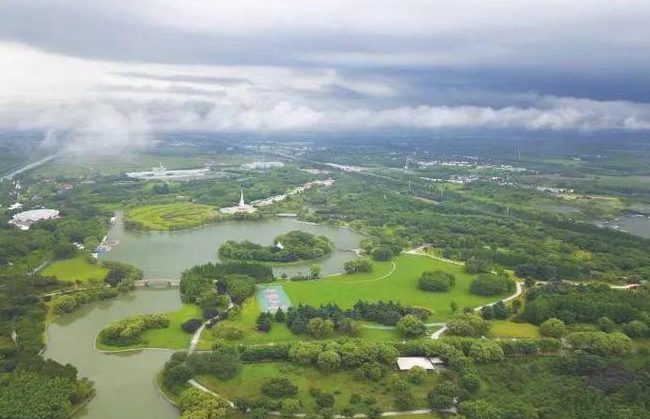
[290,247]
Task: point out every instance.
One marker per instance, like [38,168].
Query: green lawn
[506,329]
[77,268]
[246,322]
[170,216]
[172,337]
[400,285]
[341,384]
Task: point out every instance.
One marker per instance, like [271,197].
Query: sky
[116,72]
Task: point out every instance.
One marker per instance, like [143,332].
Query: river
[125,382]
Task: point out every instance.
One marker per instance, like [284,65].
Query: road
[29,167]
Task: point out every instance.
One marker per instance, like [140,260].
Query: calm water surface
[125,382]
[167,254]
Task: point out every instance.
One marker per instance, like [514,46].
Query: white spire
[241,198]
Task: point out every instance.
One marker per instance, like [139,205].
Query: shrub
[210,312]
[279,388]
[228,332]
[411,326]
[191,326]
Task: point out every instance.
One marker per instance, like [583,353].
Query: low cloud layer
[104,75]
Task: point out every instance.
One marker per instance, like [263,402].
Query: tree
[404,399]
[280,316]
[411,326]
[373,412]
[485,350]
[225,361]
[453,305]
[500,310]
[416,375]
[176,375]
[605,324]
[264,322]
[479,409]
[305,353]
[348,411]
[350,327]
[320,328]
[197,404]
[552,328]
[357,265]
[436,281]
[487,285]
[258,413]
[324,399]
[442,395]
[470,382]
[240,287]
[635,329]
[329,361]
[314,271]
[290,407]
[64,251]
[382,253]
[278,388]
[487,312]
[600,343]
[467,324]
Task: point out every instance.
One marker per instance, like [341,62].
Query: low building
[25,219]
[405,363]
[259,165]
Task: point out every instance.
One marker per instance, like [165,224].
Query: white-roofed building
[405,363]
[25,219]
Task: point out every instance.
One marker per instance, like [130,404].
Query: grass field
[170,216]
[246,322]
[341,384]
[384,283]
[77,268]
[506,329]
[172,337]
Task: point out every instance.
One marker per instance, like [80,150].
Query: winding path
[420,251]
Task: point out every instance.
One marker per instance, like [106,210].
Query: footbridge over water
[158,283]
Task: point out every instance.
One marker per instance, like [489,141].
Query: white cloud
[104,107]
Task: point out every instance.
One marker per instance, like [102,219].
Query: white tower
[241,199]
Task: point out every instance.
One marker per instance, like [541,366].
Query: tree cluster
[129,331]
[487,285]
[290,247]
[436,281]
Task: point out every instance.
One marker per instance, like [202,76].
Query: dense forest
[540,245]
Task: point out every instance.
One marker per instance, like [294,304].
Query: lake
[125,382]
[167,254]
